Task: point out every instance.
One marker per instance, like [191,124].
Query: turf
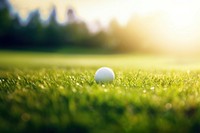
[57,93]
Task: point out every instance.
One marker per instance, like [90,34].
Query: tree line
[51,36]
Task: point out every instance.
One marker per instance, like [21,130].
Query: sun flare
[176,27]
[182,29]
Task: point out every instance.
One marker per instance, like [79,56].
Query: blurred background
[91,26]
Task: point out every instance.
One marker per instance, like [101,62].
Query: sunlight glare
[182,29]
[175,28]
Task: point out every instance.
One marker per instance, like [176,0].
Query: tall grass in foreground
[57,93]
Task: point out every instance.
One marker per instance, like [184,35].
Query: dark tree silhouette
[5,24]
[51,36]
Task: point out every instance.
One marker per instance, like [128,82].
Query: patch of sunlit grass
[58,96]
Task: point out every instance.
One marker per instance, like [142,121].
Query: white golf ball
[104,74]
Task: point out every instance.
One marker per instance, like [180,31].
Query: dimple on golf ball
[104,74]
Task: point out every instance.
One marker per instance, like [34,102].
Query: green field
[57,93]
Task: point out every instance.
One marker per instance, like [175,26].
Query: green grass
[57,93]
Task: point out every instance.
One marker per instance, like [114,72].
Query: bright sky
[105,10]
[182,17]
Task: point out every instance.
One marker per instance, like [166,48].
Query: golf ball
[104,74]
